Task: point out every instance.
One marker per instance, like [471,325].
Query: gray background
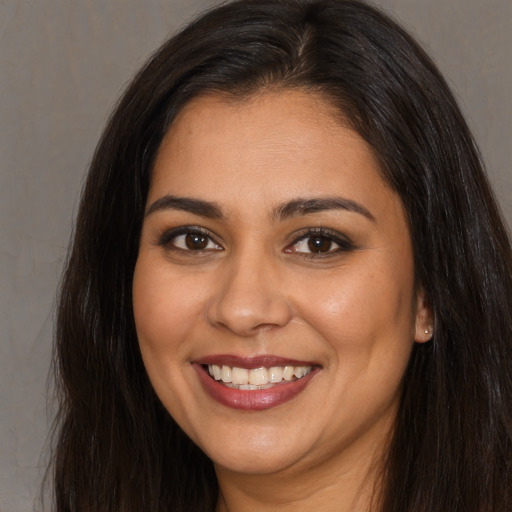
[62,66]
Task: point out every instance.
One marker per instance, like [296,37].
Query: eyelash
[332,237]
[168,241]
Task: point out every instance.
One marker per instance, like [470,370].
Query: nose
[250,298]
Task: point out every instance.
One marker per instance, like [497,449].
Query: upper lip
[250,363]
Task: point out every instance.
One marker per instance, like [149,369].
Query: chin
[252,450]
[256,461]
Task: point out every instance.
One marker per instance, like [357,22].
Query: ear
[424,328]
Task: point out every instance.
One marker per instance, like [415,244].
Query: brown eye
[189,240]
[319,244]
[196,241]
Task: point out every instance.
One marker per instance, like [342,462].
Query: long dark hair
[117,448]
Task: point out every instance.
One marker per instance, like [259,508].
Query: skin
[257,289]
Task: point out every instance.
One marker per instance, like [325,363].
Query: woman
[290,285]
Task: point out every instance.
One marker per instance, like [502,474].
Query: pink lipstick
[253,383]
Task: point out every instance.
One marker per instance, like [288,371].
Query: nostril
[249,313]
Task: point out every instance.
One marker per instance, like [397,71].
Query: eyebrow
[303,206]
[294,208]
[187,204]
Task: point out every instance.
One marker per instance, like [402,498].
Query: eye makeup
[319,242]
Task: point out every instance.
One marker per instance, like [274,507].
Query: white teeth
[249,387]
[216,372]
[239,376]
[300,371]
[275,374]
[288,373]
[257,378]
[226,374]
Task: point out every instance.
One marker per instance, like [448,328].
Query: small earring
[427,331]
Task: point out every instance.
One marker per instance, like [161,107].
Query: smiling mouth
[253,383]
[256,378]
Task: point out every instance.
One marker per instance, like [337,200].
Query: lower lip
[252,400]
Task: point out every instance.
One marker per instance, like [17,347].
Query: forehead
[266,149]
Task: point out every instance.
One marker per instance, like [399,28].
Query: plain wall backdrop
[63,64]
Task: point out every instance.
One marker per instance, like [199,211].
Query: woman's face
[274,293]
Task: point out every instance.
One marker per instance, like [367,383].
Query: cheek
[164,310]
[361,310]
[165,318]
